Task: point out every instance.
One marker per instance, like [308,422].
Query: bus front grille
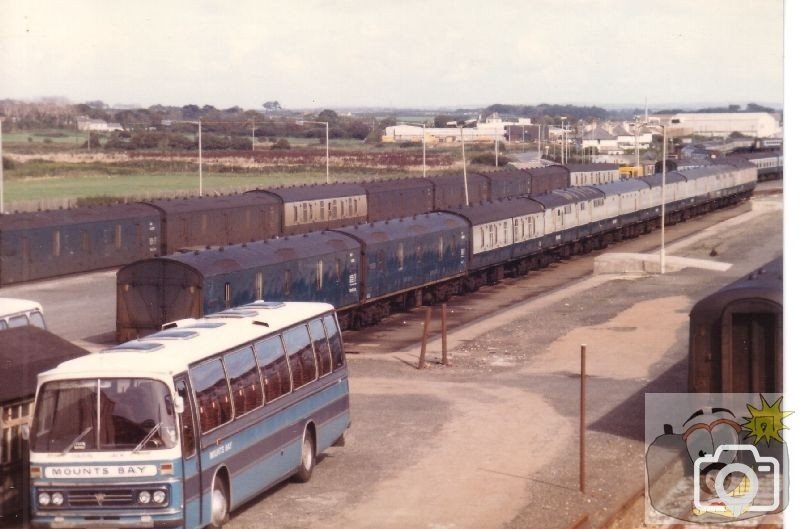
[100,498]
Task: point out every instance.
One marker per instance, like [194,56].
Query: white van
[19,313]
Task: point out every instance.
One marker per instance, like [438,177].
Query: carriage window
[400,256]
[322,210]
[338,270]
[118,236]
[320,273]
[227,295]
[334,340]
[301,355]
[243,377]
[287,282]
[274,368]
[187,424]
[259,285]
[56,243]
[418,252]
[441,247]
[212,394]
[322,349]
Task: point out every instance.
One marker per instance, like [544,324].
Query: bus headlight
[44,499]
[159,496]
[57,499]
[144,497]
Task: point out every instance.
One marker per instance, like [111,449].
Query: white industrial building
[722,125]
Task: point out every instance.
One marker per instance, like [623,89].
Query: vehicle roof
[700,172]
[24,353]
[548,169]
[62,217]
[403,228]
[397,183]
[580,194]
[551,199]
[190,204]
[225,259]
[15,305]
[621,186]
[764,283]
[581,167]
[315,191]
[161,356]
[498,210]
[654,180]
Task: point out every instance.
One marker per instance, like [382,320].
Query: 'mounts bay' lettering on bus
[100,471]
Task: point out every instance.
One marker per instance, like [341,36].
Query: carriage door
[192,487]
[752,351]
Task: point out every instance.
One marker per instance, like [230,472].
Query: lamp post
[563,118]
[200,152]
[424,141]
[327,146]
[663,196]
[464,163]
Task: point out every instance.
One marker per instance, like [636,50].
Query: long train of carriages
[365,270]
[44,244]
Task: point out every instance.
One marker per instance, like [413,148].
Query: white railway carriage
[177,429]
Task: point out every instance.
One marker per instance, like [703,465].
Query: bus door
[190,447]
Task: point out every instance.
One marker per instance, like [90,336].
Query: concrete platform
[641,263]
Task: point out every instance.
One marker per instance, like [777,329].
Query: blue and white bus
[178,428]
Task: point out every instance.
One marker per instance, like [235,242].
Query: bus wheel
[308,457]
[219,505]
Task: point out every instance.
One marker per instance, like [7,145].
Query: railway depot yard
[492,440]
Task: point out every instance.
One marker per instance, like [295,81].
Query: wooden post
[424,346]
[582,448]
[445,361]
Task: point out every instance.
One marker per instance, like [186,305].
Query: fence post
[424,346]
[445,361]
[582,477]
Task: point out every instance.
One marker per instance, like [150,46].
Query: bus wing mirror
[25,432]
[179,405]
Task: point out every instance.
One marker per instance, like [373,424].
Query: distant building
[721,125]
[99,125]
[410,133]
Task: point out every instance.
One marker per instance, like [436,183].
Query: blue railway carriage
[624,202]
[179,429]
[59,242]
[407,261]
[318,266]
[769,165]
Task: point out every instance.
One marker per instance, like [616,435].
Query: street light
[663,196]
[463,159]
[424,164]
[327,150]
[200,152]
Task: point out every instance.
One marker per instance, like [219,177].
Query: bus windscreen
[104,415]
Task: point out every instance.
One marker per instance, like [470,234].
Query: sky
[431,53]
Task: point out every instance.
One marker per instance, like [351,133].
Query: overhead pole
[200,153]
[464,163]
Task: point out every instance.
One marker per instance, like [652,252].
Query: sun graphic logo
[766,423]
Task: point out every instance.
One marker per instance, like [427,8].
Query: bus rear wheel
[308,457]
[220,512]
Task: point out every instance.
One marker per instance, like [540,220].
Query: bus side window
[334,341]
[212,394]
[245,383]
[37,320]
[301,355]
[187,424]
[274,368]
[321,347]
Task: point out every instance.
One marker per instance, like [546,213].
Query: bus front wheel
[308,457]
[220,512]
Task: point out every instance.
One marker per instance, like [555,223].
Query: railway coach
[58,242]
[736,335]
